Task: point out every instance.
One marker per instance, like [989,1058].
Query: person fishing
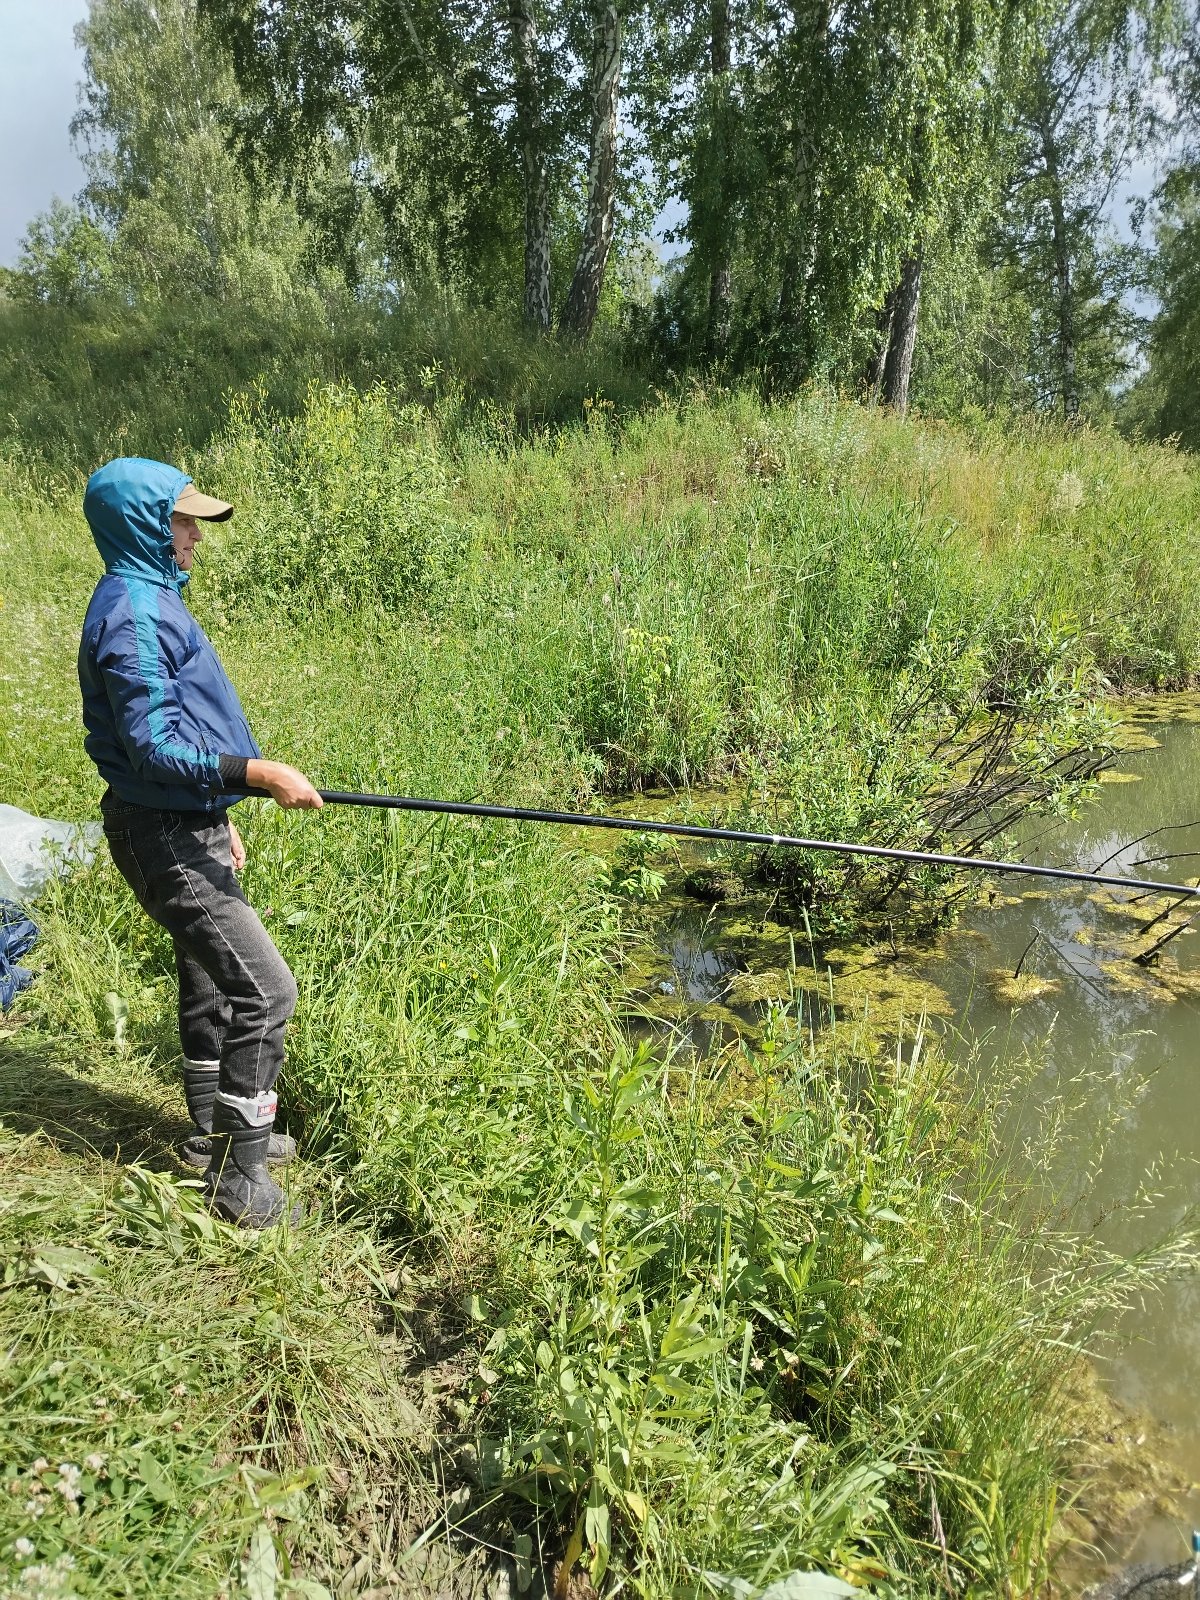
[168,735]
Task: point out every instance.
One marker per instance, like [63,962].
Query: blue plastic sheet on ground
[17,935]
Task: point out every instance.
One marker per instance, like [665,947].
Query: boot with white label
[200,1090]
[237,1182]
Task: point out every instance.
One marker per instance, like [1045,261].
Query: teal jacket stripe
[143,600]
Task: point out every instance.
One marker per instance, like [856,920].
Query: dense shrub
[344,504]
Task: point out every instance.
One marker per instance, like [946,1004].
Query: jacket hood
[128,505]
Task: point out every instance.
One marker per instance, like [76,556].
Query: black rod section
[688,830]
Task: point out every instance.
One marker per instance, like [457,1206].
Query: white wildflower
[1068,492]
[24,1548]
[50,1581]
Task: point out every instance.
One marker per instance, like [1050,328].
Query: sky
[39,70]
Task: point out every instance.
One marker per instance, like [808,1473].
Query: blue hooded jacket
[159,711]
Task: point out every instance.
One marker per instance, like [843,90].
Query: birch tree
[531,131]
[721,122]
[817,150]
[179,213]
[1085,109]
[604,84]
[466,123]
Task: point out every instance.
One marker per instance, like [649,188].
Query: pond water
[1138,1028]
[1117,1043]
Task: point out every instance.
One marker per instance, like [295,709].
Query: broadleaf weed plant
[739,1279]
[345,504]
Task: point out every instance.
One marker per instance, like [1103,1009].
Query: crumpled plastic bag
[33,850]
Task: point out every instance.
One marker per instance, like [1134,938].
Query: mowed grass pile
[695,1325]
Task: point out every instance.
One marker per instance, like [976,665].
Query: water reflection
[696,1012]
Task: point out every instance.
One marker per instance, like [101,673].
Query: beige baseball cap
[191,503]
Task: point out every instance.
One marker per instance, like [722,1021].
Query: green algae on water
[1011,989]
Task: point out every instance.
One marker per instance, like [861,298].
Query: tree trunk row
[583,298]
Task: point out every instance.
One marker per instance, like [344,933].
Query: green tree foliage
[65,257]
[814,151]
[167,213]
[975,333]
[1084,109]
[412,96]
[1174,376]
[1168,399]
[468,129]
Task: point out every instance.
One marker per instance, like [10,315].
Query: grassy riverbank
[699,1324]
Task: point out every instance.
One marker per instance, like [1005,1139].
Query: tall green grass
[698,1325]
[183,1404]
[79,386]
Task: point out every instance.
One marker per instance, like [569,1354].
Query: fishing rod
[689,830]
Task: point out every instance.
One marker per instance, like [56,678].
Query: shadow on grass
[77,384]
[79,1110]
[445,1532]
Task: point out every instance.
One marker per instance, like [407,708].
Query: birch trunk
[873,371]
[1064,285]
[583,300]
[902,340]
[801,256]
[720,285]
[523,28]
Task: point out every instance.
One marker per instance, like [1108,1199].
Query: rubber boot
[200,1090]
[239,1187]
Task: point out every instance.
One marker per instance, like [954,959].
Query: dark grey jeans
[236,991]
